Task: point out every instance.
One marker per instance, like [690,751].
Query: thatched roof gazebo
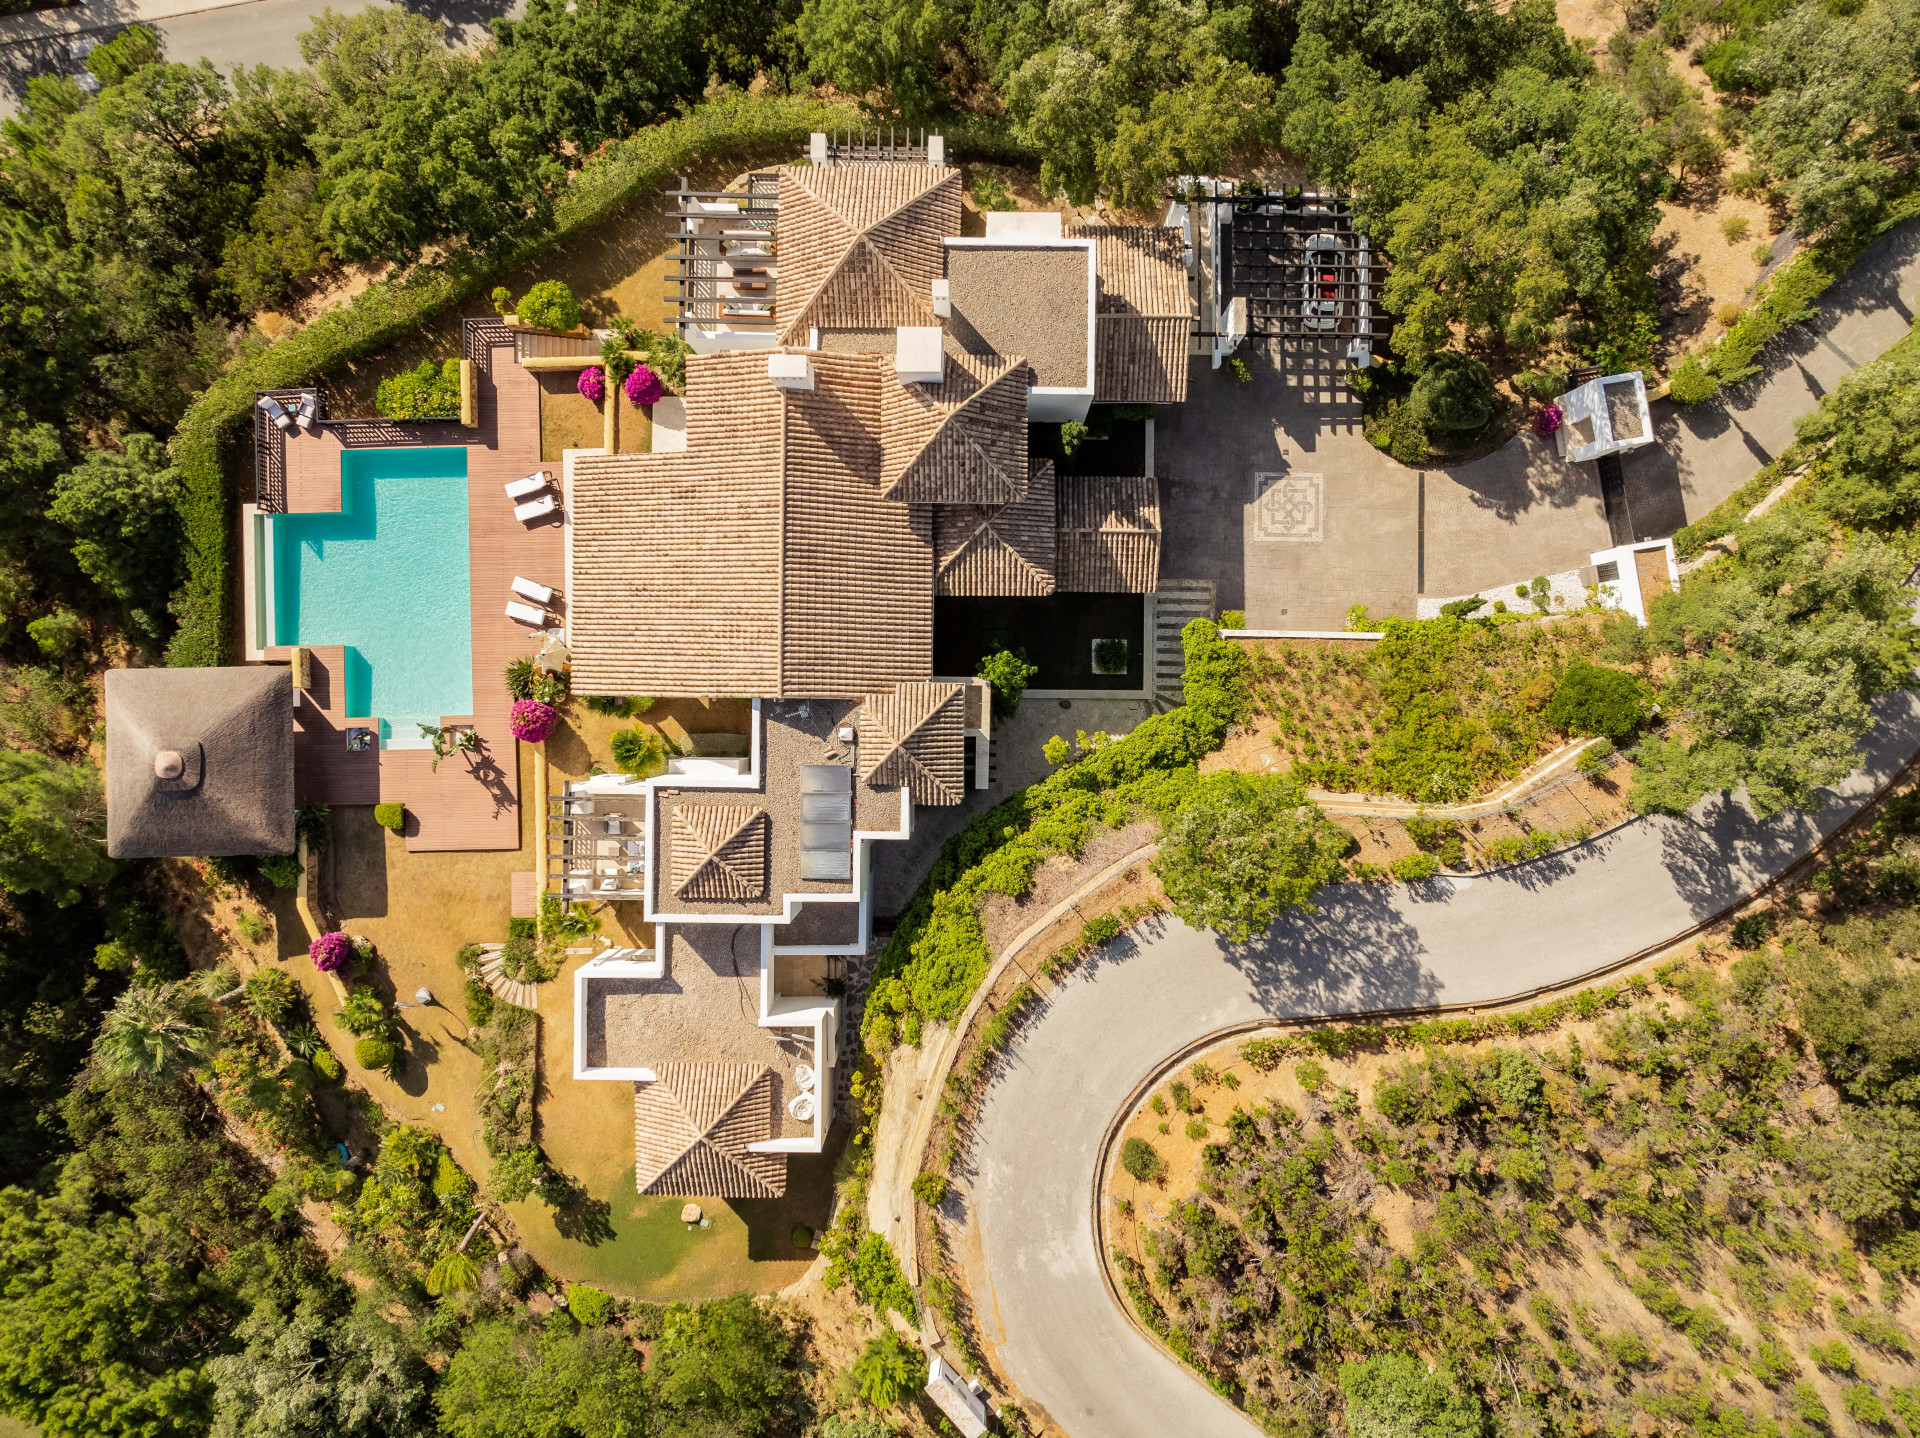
[199,762]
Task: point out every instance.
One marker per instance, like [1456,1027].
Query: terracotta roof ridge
[801,172]
[986,528]
[981,389]
[861,235]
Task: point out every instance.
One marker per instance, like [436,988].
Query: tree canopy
[1242,849]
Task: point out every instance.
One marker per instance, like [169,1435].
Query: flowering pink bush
[331,953]
[1550,418]
[593,385]
[532,721]
[643,386]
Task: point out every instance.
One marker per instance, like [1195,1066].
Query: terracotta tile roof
[1109,534]
[761,560]
[963,441]
[1006,549]
[860,245]
[915,738]
[1144,317]
[691,1129]
[719,852]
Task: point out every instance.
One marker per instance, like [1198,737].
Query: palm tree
[155,1033]
[453,1272]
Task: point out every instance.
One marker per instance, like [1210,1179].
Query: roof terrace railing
[718,230]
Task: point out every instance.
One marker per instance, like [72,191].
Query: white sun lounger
[309,410]
[527,589]
[527,614]
[276,411]
[519,489]
[534,508]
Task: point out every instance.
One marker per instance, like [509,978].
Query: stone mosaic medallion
[1288,508]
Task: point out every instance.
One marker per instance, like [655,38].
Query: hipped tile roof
[761,560]
[1144,316]
[914,738]
[1006,549]
[962,441]
[860,245]
[719,852]
[691,1129]
[1109,534]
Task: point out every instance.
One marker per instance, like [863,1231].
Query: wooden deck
[472,800]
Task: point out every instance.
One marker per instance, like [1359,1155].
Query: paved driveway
[1036,1283]
[1271,490]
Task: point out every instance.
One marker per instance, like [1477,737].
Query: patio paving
[469,801]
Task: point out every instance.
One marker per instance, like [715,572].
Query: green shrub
[1233,619]
[638,751]
[280,870]
[1750,931]
[390,816]
[427,391]
[528,680]
[617,708]
[376,1053]
[1263,1055]
[1238,372]
[1196,1128]
[1398,1393]
[523,960]
[1110,656]
[59,635]
[590,1306]
[1692,383]
[1453,398]
[270,994]
[1863,1406]
[1606,703]
[1142,1160]
[1773,1363]
[322,1061]
[1243,849]
[1412,868]
[363,1014]
[549,305]
[1836,1357]
[1073,434]
[802,1236]
[888,1370]
[480,1003]
[1596,758]
[931,1189]
[1008,674]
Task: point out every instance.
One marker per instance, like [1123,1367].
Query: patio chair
[527,614]
[309,410]
[519,489]
[276,411]
[534,508]
[527,589]
[637,848]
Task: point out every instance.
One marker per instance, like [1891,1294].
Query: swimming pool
[387,577]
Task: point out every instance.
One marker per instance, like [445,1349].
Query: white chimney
[936,150]
[943,299]
[790,371]
[817,147]
[917,355]
[1023,224]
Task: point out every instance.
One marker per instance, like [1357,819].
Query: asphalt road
[1035,1278]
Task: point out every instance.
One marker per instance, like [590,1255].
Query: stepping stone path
[526,996]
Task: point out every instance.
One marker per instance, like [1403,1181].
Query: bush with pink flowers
[331,953]
[643,386]
[532,721]
[1550,418]
[593,384]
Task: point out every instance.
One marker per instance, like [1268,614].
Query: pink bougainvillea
[532,721]
[331,953]
[643,386]
[593,385]
[1550,418]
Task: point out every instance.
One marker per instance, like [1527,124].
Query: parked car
[1321,307]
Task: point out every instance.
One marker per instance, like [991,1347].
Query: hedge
[392,309]
[1788,300]
[938,953]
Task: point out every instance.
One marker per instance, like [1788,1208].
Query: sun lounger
[309,409]
[519,489]
[527,589]
[534,508]
[527,614]
[276,411]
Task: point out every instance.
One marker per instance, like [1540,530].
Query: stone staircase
[526,996]
[1175,604]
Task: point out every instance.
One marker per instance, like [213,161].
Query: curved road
[1035,1276]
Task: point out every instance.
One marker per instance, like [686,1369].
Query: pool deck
[473,800]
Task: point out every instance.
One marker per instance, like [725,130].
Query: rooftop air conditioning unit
[917,355]
[790,371]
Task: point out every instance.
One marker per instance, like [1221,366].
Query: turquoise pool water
[388,578]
